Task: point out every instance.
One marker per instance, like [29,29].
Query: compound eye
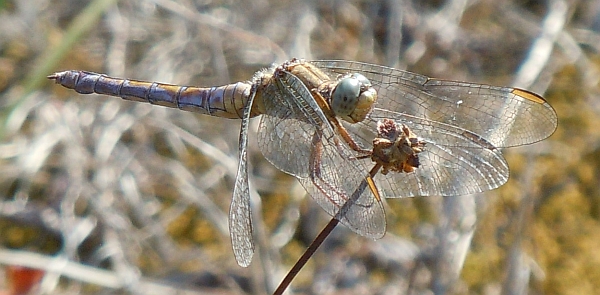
[364,82]
[344,98]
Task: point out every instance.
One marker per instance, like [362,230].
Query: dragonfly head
[353,98]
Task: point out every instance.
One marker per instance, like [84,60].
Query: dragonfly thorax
[353,98]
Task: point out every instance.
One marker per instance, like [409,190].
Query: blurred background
[104,196]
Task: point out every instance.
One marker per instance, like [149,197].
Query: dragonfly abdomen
[227,101]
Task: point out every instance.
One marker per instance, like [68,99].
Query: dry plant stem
[316,243]
[306,256]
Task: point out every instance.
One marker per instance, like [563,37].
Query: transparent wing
[240,214]
[503,116]
[336,182]
[453,162]
[447,171]
[296,137]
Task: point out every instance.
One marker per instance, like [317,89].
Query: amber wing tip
[529,95]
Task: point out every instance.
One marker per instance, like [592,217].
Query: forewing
[503,116]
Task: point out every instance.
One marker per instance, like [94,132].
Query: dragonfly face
[353,98]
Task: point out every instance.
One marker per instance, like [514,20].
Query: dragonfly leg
[316,176]
[322,102]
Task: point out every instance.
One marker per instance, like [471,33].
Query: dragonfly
[354,133]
